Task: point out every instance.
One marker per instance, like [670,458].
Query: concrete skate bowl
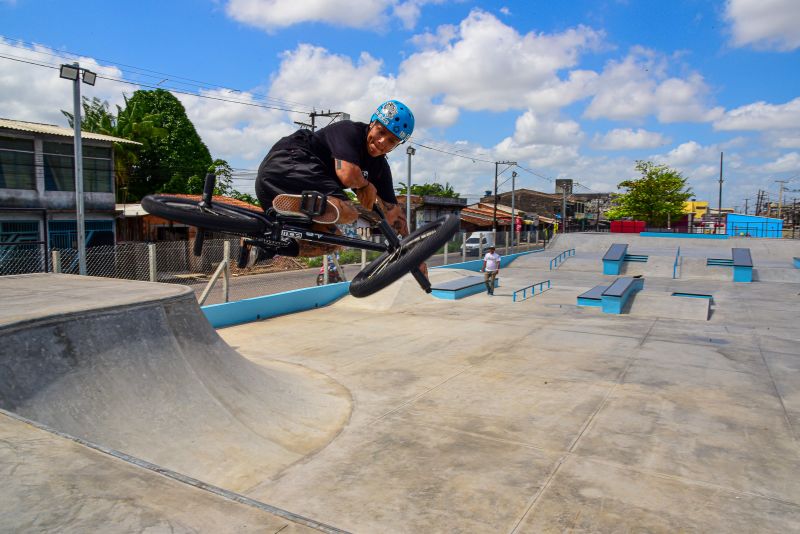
[152,379]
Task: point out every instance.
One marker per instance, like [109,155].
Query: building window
[59,168]
[64,234]
[17,167]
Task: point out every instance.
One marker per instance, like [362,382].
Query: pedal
[313,203]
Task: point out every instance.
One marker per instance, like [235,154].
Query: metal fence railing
[174,262]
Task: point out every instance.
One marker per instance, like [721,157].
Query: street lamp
[72,73]
[410,151]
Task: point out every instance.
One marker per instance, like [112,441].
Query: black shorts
[294,165]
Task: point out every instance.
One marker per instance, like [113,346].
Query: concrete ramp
[655,266]
[655,304]
[696,269]
[135,366]
[779,274]
[402,294]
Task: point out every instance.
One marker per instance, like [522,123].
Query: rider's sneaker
[290,205]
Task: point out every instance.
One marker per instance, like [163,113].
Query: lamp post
[72,72]
[410,151]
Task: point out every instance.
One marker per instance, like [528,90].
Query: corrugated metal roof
[51,129]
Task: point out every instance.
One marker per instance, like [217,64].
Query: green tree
[434,190]
[657,195]
[169,162]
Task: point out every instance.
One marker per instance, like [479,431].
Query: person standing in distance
[490,269]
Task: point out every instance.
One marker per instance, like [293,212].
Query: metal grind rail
[532,287]
[558,260]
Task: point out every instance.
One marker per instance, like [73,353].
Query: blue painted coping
[254,309]
[683,236]
[614,304]
[796,262]
[257,308]
[461,293]
[475,265]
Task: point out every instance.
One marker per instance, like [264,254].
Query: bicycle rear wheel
[414,249]
[219,217]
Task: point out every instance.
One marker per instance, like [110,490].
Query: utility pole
[745,205]
[719,203]
[780,197]
[314,114]
[496,174]
[564,209]
[513,218]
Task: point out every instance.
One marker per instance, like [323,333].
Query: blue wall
[752,226]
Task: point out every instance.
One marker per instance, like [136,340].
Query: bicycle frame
[279,230]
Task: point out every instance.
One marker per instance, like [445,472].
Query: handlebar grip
[208,188]
[198,242]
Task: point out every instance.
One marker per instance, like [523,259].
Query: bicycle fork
[394,244]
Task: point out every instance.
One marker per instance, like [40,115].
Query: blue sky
[577,89]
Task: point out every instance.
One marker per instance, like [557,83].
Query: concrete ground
[485,415]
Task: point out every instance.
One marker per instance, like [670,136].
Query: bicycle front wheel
[219,217]
[414,249]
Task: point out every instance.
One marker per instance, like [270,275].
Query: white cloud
[532,129]
[273,14]
[236,132]
[488,65]
[639,86]
[789,162]
[37,93]
[625,139]
[765,24]
[761,116]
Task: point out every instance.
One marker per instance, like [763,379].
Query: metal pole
[494,215]
[79,215]
[564,209]
[408,194]
[226,258]
[151,254]
[719,202]
[745,206]
[513,218]
[780,199]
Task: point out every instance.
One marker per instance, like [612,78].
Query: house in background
[37,185]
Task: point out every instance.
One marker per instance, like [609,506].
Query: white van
[477,241]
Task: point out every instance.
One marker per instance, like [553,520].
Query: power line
[141,71]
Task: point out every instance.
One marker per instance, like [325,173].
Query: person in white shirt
[491,268]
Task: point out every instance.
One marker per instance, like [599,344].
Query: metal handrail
[561,257]
[675,265]
[533,293]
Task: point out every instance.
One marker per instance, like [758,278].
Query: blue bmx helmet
[397,118]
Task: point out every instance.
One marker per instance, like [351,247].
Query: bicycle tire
[415,249]
[220,217]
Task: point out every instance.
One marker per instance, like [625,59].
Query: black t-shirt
[347,141]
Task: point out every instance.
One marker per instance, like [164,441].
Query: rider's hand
[367,195]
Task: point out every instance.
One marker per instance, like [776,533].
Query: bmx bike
[278,234]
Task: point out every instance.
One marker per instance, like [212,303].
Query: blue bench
[461,287]
[616,255]
[612,261]
[740,260]
[612,299]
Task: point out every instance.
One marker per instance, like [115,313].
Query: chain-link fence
[174,262]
